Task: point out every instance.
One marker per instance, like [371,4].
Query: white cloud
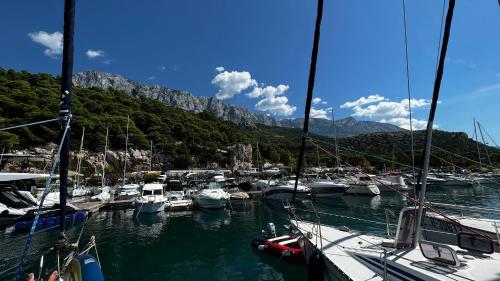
[232,83]
[388,108]
[319,113]
[151,77]
[268,91]
[94,53]
[219,68]
[276,105]
[107,62]
[323,102]
[316,100]
[362,101]
[52,41]
[405,123]
[162,68]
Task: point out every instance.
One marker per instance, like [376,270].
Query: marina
[106,178]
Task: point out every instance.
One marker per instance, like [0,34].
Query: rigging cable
[45,192]
[492,140]
[310,88]
[408,88]
[29,124]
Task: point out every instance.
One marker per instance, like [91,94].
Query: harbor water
[215,244]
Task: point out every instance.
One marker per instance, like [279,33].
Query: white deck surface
[350,251]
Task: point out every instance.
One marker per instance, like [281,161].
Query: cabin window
[473,242]
[157,192]
[439,253]
[147,192]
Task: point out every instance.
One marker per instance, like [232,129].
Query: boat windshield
[151,192]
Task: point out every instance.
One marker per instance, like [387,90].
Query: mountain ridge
[185,100]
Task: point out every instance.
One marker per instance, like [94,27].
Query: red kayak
[288,248]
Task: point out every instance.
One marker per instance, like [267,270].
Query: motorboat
[392,183]
[151,199]
[283,191]
[127,192]
[362,185]
[211,196]
[176,197]
[104,195]
[326,187]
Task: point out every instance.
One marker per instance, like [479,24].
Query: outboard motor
[271,230]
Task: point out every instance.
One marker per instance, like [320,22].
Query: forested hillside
[188,139]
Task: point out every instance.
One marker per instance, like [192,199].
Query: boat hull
[284,194]
[150,207]
[361,189]
[210,203]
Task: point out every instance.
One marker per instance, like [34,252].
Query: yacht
[176,197]
[389,183]
[326,187]
[127,191]
[211,196]
[151,199]
[283,191]
[362,185]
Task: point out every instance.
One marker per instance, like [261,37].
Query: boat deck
[360,257]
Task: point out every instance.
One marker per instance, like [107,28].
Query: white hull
[363,189]
[210,203]
[322,189]
[150,207]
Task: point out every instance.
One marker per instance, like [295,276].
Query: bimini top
[152,186]
[22,176]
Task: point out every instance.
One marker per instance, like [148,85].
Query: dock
[95,206]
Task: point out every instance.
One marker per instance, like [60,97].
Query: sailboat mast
[258,156]
[65,105]
[80,156]
[310,89]
[477,146]
[337,158]
[126,151]
[485,146]
[103,180]
[430,122]
[151,156]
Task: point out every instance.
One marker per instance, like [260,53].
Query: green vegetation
[187,139]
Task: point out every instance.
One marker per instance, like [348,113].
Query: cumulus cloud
[232,83]
[388,108]
[318,113]
[219,68]
[362,101]
[268,91]
[94,53]
[386,111]
[405,123]
[52,41]
[316,100]
[276,105]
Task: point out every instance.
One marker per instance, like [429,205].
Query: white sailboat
[79,189]
[126,191]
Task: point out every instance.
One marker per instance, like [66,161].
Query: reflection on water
[215,244]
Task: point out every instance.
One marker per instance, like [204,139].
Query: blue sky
[256,53]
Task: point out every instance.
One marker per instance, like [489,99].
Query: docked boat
[390,183]
[211,196]
[79,191]
[176,197]
[363,185]
[287,247]
[326,188]
[283,191]
[151,199]
[127,191]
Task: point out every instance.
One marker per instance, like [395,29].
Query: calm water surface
[215,244]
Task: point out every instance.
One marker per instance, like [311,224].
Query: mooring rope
[45,192]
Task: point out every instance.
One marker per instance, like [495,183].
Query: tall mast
[80,156]
[337,158]
[485,146]
[151,156]
[126,151]
[103,180]
[430,122]
[65,106]
[310,89]
[258,156]
[477,146]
